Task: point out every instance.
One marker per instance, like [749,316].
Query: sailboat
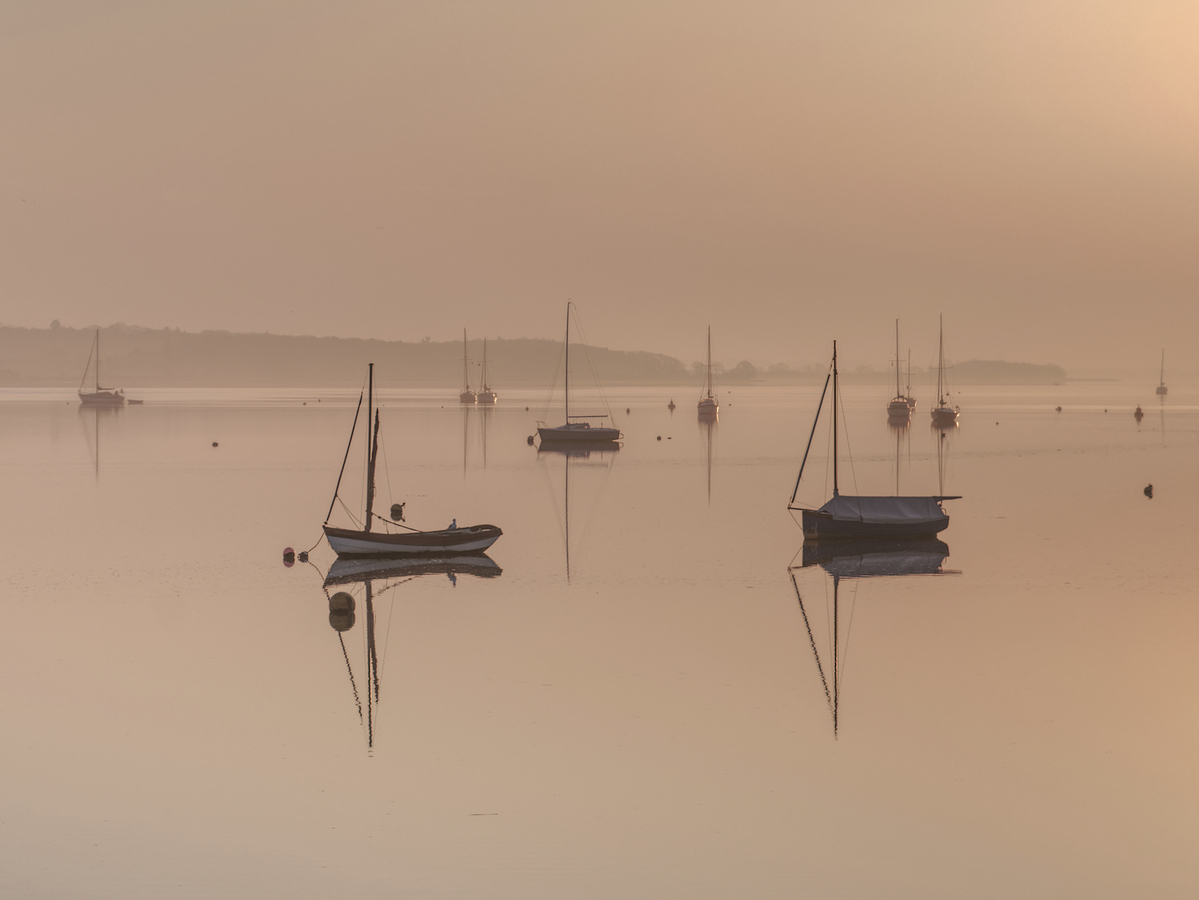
[850,517]
[1161,387]
[349,542]
[486,395]
[944,414]
[901,405]
[575,431]
[101,396]
[708,406]
[467,395]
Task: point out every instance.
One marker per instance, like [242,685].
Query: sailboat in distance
[355,542]
[860,517]
[1161,387]
[577,429]
[101,396]
[901,405]
[708,405]
[486,394]
[944,413]
[467,395]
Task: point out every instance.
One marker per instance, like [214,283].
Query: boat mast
[708,371]
[566,462]
[835,389]
[465,378]
[1162,379]
[372,667]
[372,446]
[567,362]
[940,359]
[98,360]
[897,358]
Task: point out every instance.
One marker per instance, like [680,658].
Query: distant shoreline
[168,358]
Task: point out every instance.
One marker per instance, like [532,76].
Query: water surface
[649,715]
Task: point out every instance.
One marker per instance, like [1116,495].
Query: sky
[787,172]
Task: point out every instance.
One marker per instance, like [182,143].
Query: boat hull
[708,408]
[579,434]
[847,517]
[818,526]
[102,398]
[349,543]
[945,415]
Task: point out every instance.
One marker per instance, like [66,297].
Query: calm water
[649,716]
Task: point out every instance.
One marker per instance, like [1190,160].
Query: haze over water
[787,171]
[180,720]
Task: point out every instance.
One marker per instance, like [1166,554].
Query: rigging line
[812,641]
[599,495]
[848,449]
[350,669]
[386,473]
[343,461]
[396,524]
[853,605]
[353,518]
[594,374]
[88,367]
[549,399]
[386,632]
[828,626]
[810,436]
[313,547]
[828,454]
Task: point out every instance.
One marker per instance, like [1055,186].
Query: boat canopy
[885,510]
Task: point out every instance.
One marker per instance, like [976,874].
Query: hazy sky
[790,172]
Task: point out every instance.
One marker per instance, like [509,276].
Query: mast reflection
[856,559]
[707,431]
[92,435]
[576,454]
[350,577]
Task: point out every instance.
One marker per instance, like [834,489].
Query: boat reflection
[855,560]
[708,426]
[599,456]
[873,559]
[481,415]
[359,577]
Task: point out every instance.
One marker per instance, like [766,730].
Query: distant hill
[134,356]
[146,357]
